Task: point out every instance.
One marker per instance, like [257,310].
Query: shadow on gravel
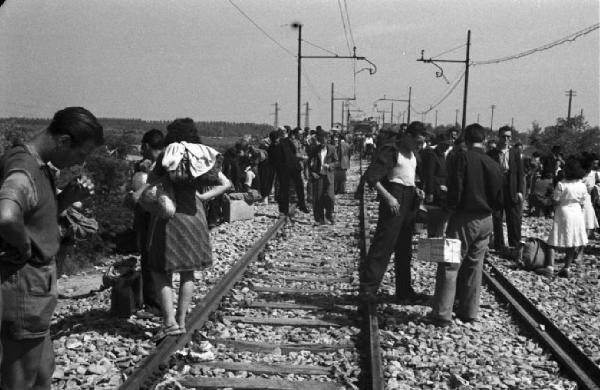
[97,320]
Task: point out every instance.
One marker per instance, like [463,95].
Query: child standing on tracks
[568,230]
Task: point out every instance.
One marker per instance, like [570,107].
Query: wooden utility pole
[570,93]
[435,118]
[492,119]
[331,126]
[456,118]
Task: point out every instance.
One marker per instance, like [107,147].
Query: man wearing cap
[392,173]
[322,161]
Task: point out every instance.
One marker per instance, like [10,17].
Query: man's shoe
[438,322]
[564,273]
[546,271]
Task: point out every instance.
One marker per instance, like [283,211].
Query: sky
[203,59]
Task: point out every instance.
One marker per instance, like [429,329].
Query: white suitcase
[439,250]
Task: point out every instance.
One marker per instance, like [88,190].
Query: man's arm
[456,170]
[391,201]
[17,196]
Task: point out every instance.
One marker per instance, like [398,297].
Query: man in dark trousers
[343,152]
[288,168]
[511,165]
[392,173]
[30,240]
[322,163]
[153,143]
[474,192]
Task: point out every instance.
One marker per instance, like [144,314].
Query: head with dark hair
[273,136]
[453,133]
[556,149]
[589,161]
[79,124]
[72,135]
[505,134]
[182,130]
[414,136]
[154,139]
[573,169]
[474,134]
[153,142]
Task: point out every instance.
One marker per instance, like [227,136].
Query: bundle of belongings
[124,277]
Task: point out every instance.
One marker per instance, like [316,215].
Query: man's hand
[394,205]
[420,193]
[443,188]
[429,198]
[519,197]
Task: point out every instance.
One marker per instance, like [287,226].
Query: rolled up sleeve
[381,165]
[19,188]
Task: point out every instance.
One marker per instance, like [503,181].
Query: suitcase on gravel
[126,295]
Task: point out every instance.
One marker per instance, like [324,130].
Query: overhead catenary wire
[349,25]
[262,29]
[442,98]
[568,38]
[449,51]
[319,47]
[344,26]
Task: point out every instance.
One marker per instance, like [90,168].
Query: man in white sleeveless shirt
[392,174]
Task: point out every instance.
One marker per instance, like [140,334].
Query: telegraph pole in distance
[570,93]
[477,117]
[276,114]
[512,123]
[456,118]
[436,118]
[306,115]
[440,73]
[492,120]
[409,97]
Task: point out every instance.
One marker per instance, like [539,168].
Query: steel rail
[142,377]
[374,378]
[585,372]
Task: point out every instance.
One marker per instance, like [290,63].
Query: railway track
[284,317]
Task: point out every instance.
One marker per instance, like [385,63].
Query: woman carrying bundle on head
[180,242]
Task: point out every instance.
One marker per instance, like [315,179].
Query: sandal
[164,332]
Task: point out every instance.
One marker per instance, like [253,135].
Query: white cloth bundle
[202,158]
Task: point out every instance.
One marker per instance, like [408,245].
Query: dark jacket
[474,182]
[383,162]
[514,178]
[314,161]
[343,152]
[284,157]
[434,174]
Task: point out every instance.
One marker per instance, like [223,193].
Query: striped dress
[181,243]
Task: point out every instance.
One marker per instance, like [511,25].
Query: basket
[439,250]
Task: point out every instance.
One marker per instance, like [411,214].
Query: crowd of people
[471,187]
[178,187]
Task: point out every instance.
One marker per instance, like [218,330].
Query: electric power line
[319,47]
[344,25]
[262,30]
[349,25]
[568,38]
[442,98]
[449,51]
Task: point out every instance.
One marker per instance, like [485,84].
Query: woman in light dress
[568,230]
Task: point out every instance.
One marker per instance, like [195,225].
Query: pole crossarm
[372,70]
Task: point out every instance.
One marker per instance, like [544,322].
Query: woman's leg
[186,289]
[162,281]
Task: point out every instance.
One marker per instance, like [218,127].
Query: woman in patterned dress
[181,244]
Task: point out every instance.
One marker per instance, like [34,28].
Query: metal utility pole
[342,117]
[570,93]
[306,115]
[298,25]
[436,118]
[276,114]
[440,73]
[512,123]
[384,98]
[492,120]
[456,118]
[409,97]
[331,126]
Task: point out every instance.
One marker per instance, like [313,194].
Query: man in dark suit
[434,184]
[287,166]
[511,164]
[322,161]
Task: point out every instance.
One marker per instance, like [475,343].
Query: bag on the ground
[125,280]
[534,254]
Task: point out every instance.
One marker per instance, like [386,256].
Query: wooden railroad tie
[284,349]
[273,369]
[305,322]
[256,383]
